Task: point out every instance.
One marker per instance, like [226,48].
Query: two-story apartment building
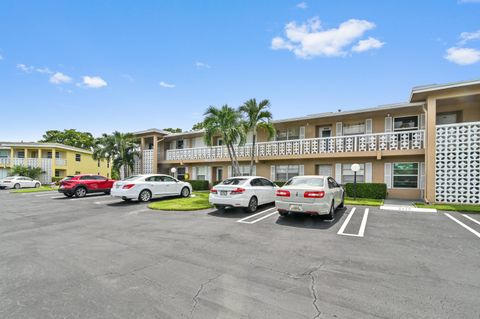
[427,148]
[56,160]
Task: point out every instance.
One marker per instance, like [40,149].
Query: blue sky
[101,66]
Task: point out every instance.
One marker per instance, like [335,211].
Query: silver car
[18,182]
[313,195]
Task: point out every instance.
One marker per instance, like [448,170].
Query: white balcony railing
[392,141]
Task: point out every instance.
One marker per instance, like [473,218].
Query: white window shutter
[301,170]
[368,126]
[338,173]
[388,124]
[422,121]
[368,172]
[254,171]
[230,171]
[388,175]
[208,174]
[422,175]
[194,173]
[302,132]
[338,129]
[272,172]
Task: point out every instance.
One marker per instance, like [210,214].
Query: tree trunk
[234,172]
[253,152]
[237,165]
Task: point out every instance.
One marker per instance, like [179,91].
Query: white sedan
[18,182]
[313,195]
[244,191]
[148,186]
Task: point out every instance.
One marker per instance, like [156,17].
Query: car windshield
[66,178]
[234,181]
[10,177]
[318,182]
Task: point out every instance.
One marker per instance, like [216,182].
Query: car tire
[283,214]
[80,192]
[68,194]
[144,196]
[331,213]
[342,204]
[252,205]
[220,208]
[16,186]
[37,185]
[107,193]
[185,192]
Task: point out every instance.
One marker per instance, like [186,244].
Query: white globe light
[173,170]
[355,167]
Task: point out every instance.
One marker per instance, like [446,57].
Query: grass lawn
[34,190]
[363,201]
[470,208]
[197,202]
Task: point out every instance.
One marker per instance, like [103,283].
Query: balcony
[60,162]
[29,161]
[394,141]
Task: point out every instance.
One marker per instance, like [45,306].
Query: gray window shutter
[388,175]
[272,172]
[422,121]
[302,132]
[208,175]
[338,173]
[301,170]
[230,171]
[338,129]
[388,124]
[422,175]
[368,126]
[368,172]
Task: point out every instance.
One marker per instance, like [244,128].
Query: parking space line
[347,220]
[107,202]
[363,224]
[244,220]
[43,195]
[463,225]
[251,216]
[471,218]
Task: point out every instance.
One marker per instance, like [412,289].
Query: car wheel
[220,208]
[283,214]
[331,213]
[68,194]
[252,205]
[145,195]
[37,185]
[185,192]
[80,192]
[342,204]
[107,193]
[16,186]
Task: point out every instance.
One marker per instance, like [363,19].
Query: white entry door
[325,170]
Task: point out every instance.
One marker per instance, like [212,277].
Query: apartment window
[57,155]
[348,174]
[201,172]
[98,163]
[3,154]
[180,144]
[447,118]
[78,157]
[292,133]
[405,123]
[49,154]
[57,173]
[21,154]
[285,172]
[77,173]
[405,175]
[354,128]
[34,154]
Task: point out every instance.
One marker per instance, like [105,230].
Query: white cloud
[94,82]
[166,85]
[302,5]
[462,56]
[44,70]
[201,65]
[25,68]
[60,78]
[310,39]
[368,44]
[469,36]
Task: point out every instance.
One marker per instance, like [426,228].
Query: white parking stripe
[251,216]
[463,225]
[258,219]
[471,218]
[363,224]
[136,212]
[42,195]
[107,202]
[347,220]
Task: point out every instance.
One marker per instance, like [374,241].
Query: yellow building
[56,160]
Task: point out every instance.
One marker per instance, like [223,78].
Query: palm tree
[120,148]
[257,116]
[225,121]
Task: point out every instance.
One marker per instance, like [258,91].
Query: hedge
[279,183]
[367,190]
[199,185]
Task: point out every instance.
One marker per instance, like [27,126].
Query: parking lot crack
[199,291]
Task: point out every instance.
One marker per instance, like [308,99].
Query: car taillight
[213,191]
[128,186]
[320,194]
[282,193]
[237,191]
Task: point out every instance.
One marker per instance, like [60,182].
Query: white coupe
[313,195]
[148,186]
[244,191]
[18,182]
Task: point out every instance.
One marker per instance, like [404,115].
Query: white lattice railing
[457,157]
[406,140]
[44,163]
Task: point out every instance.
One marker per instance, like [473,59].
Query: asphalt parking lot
[98,257]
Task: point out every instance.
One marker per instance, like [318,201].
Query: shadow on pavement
[307,221]
[239,212]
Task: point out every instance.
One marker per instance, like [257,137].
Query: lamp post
[355,168]
[173,170]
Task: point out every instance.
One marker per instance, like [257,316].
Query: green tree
[226,122]
[28,171]
[197,126]
[257,116]
[173,130]
[69,137]
[119,148]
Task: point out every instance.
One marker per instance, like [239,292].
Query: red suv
[81,185]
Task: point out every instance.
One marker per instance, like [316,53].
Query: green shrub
[28,171]
[57,180]
[279,183]
[199,185]
[367,190]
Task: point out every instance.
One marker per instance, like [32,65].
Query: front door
[219,174]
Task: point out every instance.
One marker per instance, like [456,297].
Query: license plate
[223,193]
[296,208]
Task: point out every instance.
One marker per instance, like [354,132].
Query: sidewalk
[404,205]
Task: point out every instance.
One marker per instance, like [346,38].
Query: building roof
[43,145]
[152,130]
[417,90]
